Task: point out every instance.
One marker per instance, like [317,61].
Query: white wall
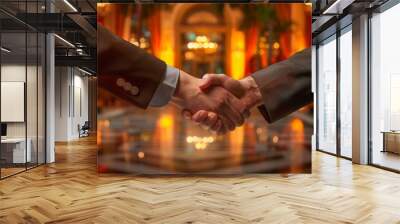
[16,73]
[71,94]
[33,127]
[61,103]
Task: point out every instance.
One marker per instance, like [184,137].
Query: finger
[233,111]
[209,80]
[186,114]
[217,126]
[235,117]
[200,116]
[223,130]
[211,119]
[239,106]
[226,121]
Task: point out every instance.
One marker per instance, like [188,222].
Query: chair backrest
[86,124]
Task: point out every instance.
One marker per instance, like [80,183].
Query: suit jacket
[285,86]
[119,60]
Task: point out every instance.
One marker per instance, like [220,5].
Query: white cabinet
[17,146]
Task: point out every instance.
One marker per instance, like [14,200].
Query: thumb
[186,114]
[209,80]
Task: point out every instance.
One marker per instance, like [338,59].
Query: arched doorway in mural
[202,39]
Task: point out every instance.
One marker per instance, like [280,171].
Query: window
[346,92]
[326,57]
[385,89]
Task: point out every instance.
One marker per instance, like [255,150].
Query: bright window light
[65,41]
[5,50]
[70,5]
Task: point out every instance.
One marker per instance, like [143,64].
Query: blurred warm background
[235,39]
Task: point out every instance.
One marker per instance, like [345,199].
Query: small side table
[391,141]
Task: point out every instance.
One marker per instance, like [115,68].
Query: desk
[391,141]
[16,148]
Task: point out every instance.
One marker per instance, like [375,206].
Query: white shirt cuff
[166,89]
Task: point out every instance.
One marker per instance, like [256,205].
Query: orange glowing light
[202,42]
[236,139]
[276,45]
[275,139]
[237,55]
[140,155]
[167,55]
[166,121]
[200,143]
[101,5]
[297,125]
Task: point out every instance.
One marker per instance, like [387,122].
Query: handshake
[217,102]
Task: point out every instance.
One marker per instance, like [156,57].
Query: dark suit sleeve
[285,86]
[119,59]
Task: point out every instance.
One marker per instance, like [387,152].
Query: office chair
[84,130]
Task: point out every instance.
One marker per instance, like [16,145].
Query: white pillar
[360,90]
[313,89]
[50,92]
[50,98]
[63,102]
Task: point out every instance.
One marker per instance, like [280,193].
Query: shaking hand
[246,90]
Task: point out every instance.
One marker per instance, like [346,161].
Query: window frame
[338,29]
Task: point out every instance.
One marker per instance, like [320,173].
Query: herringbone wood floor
[70,191]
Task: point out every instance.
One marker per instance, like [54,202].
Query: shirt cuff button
[134,90]
[120,82]
[127,86]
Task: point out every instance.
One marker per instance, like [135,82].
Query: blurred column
[50,92]
[301,28]
[168,37]
[360,90]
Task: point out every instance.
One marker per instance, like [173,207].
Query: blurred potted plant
[266,18]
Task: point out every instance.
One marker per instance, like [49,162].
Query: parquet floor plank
[71,191]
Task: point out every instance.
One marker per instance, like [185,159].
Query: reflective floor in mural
[160,141]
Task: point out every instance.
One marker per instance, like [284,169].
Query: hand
[227,109]
[246,89]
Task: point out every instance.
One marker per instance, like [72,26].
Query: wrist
[253,95]
[180,87]
[185,86]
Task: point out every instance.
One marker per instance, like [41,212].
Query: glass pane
[385,84]
[346,94]
[327,96]
[31,97]
[41,98]
[13,85]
